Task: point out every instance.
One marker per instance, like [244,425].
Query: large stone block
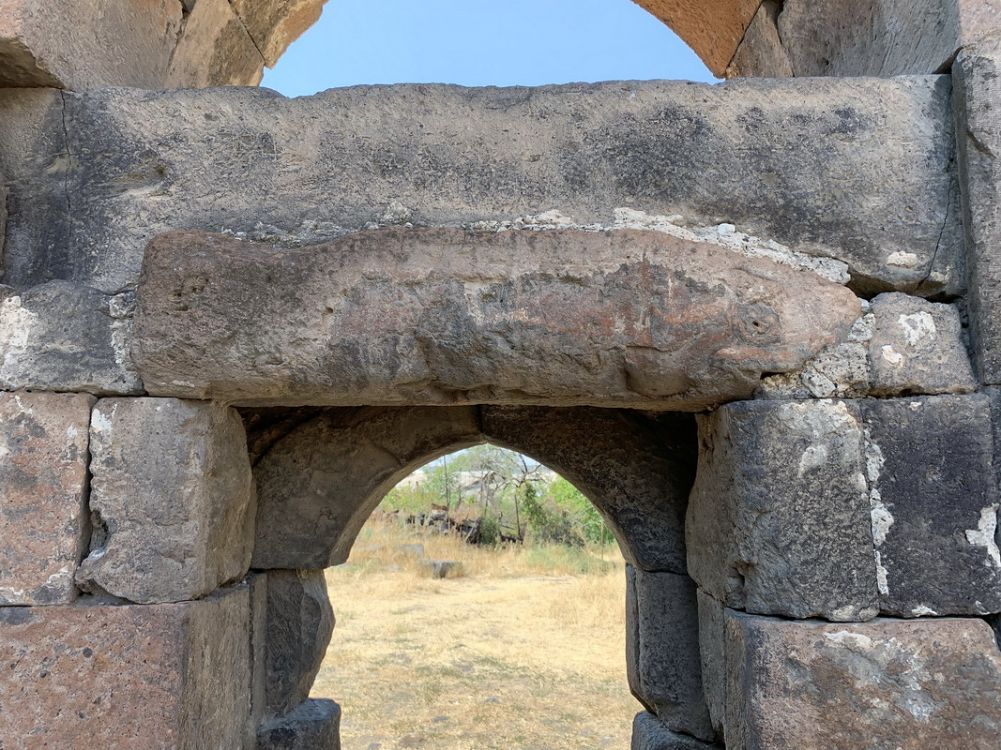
[160,677]
[873,37]
[858,170]
[712,647]
[214,49]
[934,505]
[300,622]
[172,499]
[649,733]
[80,44]
[977,74]
[917,348]
[886,684]
[275,24]
[779,518]
[662,650]
[313,725]
[43,495]
[405,316]
[62,336]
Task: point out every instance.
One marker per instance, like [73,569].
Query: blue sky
[482,42]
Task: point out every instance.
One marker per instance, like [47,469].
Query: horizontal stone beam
[447,316]
[858,170]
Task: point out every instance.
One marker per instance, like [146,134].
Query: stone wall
[231,321]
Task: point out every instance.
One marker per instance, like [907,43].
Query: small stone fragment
[649,733]
[315,724]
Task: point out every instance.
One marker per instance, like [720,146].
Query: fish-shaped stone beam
[435,316]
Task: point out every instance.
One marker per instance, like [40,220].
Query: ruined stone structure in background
[758,324]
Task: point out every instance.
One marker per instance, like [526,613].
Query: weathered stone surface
[662,650]
[779,518]
[627,318]
[313,725]
[934,505]
[886,685]
[161,677]
[275,24]
[650,734]
[214,49]
[300,622]
[712,648]
[637,469]
[881,37]
[62,336]
[977,74]
[761,52]
[43,495]
[172,499]
[917,348]
[257,584]
[79,44]
[318,486]
[853,169]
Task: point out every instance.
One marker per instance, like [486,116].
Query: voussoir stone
[314,724]
[300,622]
[157,677]
[43,495]
[662,650]
[917,348]
[779,518]
[649,733]
[885,685]
[172,499]
[431,316]
[935,504]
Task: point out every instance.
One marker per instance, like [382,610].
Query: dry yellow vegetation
[524,651]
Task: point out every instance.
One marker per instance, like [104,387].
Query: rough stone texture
[43,495]
[320,481]
[161,677]
[626,318]
[275,24]
[934,505]
[881,37]
[712,649]
[859,170]
[172,499]
[977,74]
[300,622]
[257,583]
[778,521]
[761,52]
[662,650]
[885,685]
[62,336]
[215,50]
[917,348]
[313,725]
[637,469]
[650,734]
[81,44]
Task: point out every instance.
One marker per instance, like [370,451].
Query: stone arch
[318,484]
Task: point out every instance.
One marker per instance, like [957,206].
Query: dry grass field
[524,651]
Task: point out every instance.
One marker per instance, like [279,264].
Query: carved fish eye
[757,322]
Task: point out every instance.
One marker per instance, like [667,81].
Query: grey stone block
[314,725]
[977,75]
[779,519]
[917,348]
[886,684]
[171,500]
[300,622]
[712,647]
[255,164]
[662,650]
[625,318]
[66,337]
[650,734]
[934,505]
